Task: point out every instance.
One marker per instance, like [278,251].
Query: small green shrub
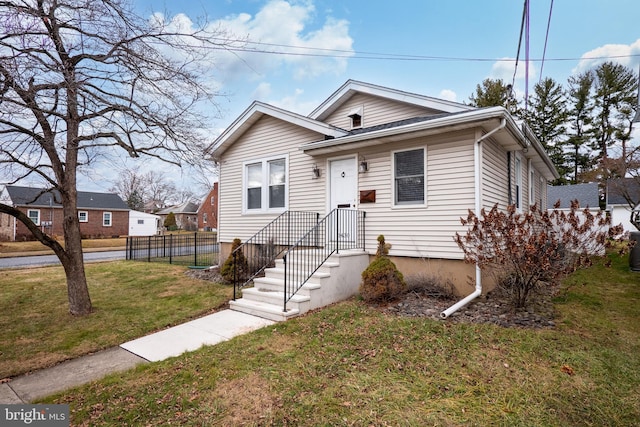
[226,271]
[170,221]
[381,280]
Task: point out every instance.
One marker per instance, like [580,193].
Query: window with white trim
[83,216]
[265,185]
[204,217]
[34,216]
[409,177]
[532,187]
[106,219]
[518,173]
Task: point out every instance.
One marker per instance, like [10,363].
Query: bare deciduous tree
[83,79]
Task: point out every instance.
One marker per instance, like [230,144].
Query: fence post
[149,249]
[195,249]
[170,248]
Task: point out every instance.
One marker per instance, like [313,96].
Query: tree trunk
[72,261]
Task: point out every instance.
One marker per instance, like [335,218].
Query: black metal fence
[197,249]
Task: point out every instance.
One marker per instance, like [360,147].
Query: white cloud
[620,53]
[262,91]
[503,69]
[271,33]
[448,94]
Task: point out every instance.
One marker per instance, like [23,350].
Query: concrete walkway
[208,330]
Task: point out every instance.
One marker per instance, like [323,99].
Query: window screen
[409,177]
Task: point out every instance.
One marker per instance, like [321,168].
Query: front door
[343,181]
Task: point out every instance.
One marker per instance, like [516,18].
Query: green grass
[349,364]
[130,299]
[35,247]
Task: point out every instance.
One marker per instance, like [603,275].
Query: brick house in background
[100,214]
[208,211]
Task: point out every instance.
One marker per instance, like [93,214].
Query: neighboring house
[100,214]
[186,215]
[413,163]
[622,196]
[144,224]
[208,211]
[586,195]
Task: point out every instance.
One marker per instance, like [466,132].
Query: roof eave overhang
[256,111]
[487,119]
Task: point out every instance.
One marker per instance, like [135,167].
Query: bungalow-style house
[208,211]
[368,161]
[622,196]
[586,194]
[100,214]
[186,215]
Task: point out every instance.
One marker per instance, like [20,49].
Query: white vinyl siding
[425,231]
[34,216]
[266,136]
[376,111]
[495,187]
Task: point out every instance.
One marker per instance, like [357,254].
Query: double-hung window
[83,216]
[265,185]
[106,219]
[409,177]
[34,216]
[518,173]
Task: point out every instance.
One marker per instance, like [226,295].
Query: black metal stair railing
[260,251]
[341,229]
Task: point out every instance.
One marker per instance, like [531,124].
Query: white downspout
[477,158]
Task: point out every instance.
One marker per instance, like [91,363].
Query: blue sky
[438,48]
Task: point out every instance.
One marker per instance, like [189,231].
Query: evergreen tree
[615,91]
[547,118]
[494,93]
[580,116]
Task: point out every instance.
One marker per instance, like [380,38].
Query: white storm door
[343,181]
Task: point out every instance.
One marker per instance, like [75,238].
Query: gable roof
[447,116]
[260,109]
[184,208]
[586,194]
[351,87]
[41,198]
[618,190]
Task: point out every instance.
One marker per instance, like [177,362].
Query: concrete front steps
[336,280]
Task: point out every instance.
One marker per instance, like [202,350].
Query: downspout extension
[478,172]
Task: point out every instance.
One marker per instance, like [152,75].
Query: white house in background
[413,165]
[622,196]
[143,224]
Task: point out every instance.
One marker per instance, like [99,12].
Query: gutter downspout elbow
[478,175]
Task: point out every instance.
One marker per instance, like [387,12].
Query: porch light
[364,166]
[316,172]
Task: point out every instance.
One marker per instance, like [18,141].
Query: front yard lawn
[350,364]
[130,299]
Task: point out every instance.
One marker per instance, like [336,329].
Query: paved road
[40,260]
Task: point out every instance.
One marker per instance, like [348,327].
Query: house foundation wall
[454,274]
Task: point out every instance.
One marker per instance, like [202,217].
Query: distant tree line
[148,191]
[585,125]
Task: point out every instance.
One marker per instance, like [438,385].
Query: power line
[353,54]
[546,38]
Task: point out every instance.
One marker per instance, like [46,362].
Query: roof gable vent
[356,117]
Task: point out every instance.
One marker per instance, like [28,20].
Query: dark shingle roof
[38,197]
[618,188]
[586,194]
[401,123]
